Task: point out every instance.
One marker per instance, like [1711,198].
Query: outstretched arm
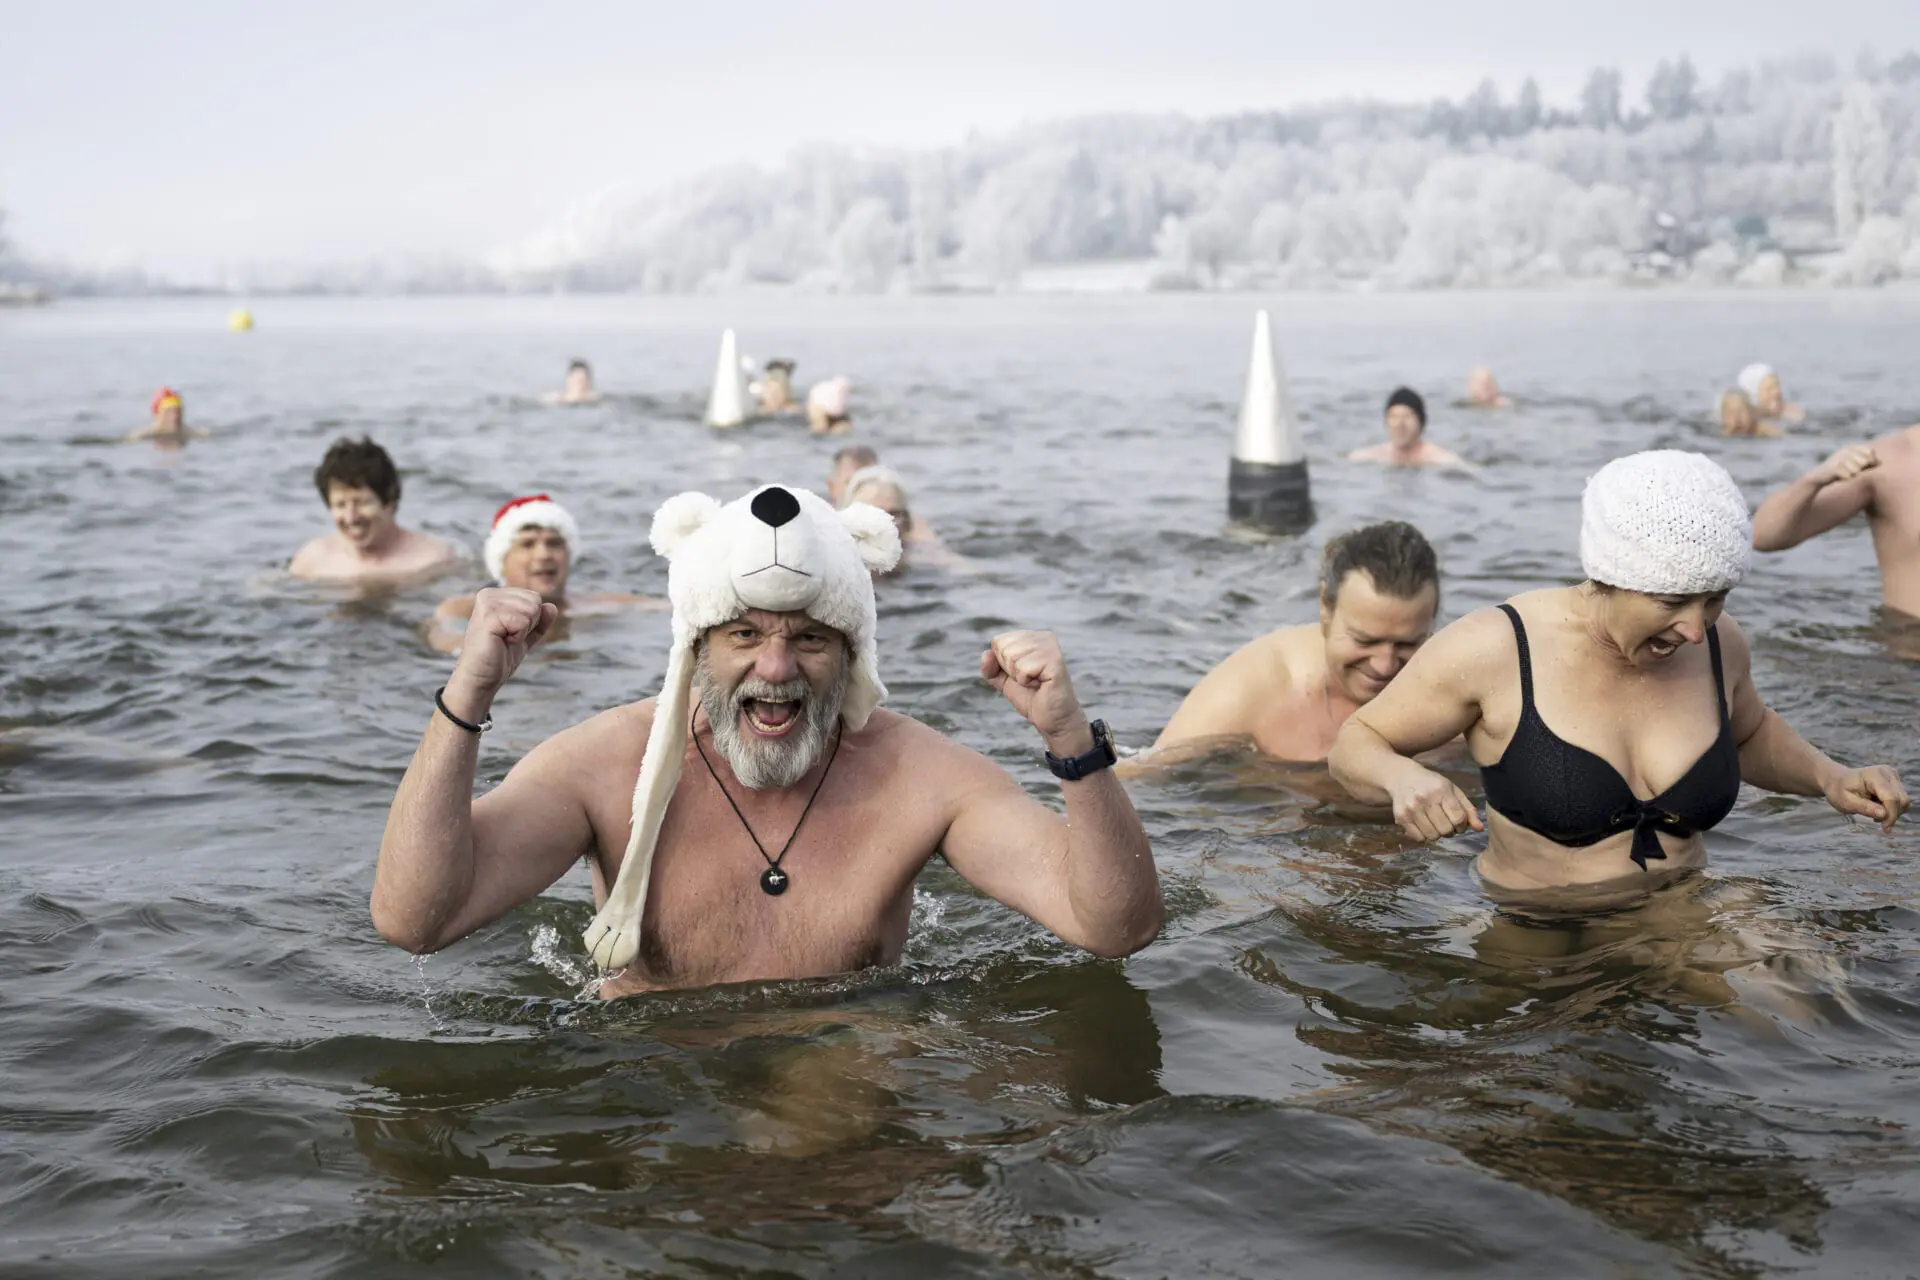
[1089,878]
[1831,494]
[1775,758]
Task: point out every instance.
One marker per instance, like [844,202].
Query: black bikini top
[1573,797]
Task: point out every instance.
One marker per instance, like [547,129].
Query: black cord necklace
[773,881]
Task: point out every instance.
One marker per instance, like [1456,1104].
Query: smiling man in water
[532,546]
[1290,690]
[762,818]
[361,487]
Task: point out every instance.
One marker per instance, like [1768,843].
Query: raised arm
[1774,757]
[1435,698]
[1089,878]
[448,864]
[1831,494]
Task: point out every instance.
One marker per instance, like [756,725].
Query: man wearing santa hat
[532,546]
[762,818]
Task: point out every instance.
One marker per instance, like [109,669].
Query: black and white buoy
[1267,485]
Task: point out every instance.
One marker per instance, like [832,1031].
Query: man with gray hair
[762,818]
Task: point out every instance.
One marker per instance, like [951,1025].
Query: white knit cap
[1752,376]
[535,512]
[780,549]
[1665,522]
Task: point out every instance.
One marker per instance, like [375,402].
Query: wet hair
[582,366]
[780,365]
[358,464]
[1410,398]
[861,456]
[1394,554]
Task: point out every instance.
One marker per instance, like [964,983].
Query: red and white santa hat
[536,511]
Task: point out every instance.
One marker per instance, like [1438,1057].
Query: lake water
[1336,1060]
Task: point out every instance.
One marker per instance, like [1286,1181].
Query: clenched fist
[506,622]
[1845,463]
[1431,808]
[1028,667]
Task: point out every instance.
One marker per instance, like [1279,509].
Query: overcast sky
[186,134]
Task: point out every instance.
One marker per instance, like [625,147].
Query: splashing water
[547,954]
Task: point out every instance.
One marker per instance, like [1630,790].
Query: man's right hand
[506,623]
[1847,462]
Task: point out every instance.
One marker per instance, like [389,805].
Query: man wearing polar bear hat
[762,818]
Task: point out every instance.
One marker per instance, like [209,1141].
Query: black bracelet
[468,725]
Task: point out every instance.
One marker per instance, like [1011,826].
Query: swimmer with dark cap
[1407,445]
[169,425]
[361,487]
[776,387]
[578,388]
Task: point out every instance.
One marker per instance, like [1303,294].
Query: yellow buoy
[240,320]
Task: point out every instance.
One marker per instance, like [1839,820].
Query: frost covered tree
[1600,100]
[866,247]
[1862,159]
[1670,90]
[1526,108]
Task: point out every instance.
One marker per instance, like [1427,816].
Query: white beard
[769,764]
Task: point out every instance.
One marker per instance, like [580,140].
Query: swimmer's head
[1482,389]
[1762,386]
[827,404]
[169,417]
[579,379]
[1379,593]
[779,369]
[852,458]
[1736,413]
[1664,536]
[532,545]
[772,686]
[881,487]
[1406,417]
[361,487]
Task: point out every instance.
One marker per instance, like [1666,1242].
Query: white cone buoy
[1267,484]
[727,406]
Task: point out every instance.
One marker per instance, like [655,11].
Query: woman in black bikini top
[1664,537]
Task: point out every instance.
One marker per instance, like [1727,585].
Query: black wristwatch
[1074,768]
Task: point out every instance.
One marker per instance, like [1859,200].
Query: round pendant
[774,881]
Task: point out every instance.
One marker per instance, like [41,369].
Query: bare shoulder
[1472,646]
[922,754]
[455,607]
[596,742]
[1736,656]
[307,561]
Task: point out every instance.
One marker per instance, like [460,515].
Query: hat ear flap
[679,518]
[875,535]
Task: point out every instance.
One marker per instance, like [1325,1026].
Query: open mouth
[1662,649]
[770,717]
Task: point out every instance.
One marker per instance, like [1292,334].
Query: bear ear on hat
[679,518]
[874,534]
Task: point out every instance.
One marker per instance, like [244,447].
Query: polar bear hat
[778,548]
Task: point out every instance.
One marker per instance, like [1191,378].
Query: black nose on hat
[774,506]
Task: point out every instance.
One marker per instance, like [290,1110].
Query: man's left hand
[1028,667]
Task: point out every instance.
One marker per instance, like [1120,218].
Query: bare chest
[1297,726]
[845,878]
